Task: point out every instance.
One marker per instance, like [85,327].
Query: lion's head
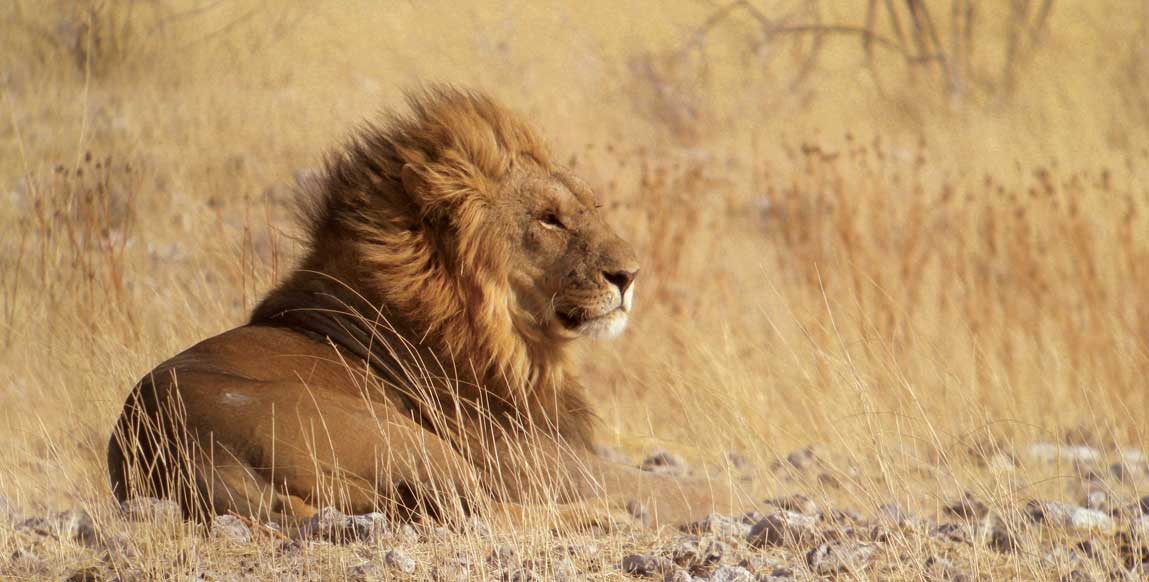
[455,219]
[570,274]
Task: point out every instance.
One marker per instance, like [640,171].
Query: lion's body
[415,362]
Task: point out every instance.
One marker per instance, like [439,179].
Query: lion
[416,361]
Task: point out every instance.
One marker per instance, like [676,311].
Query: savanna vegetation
[893,253]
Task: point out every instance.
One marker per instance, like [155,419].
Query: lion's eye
[551,220]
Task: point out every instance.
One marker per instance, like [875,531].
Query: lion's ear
[419,190]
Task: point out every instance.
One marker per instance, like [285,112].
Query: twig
[771,28]
[259,527]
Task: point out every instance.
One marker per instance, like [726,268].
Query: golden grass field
[920,267]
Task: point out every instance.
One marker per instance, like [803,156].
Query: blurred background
[897,230]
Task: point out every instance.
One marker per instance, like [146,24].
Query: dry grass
[840,247]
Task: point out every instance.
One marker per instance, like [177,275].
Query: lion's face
[569,271]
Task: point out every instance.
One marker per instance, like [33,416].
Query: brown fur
[418,351]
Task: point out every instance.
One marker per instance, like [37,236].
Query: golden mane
[400,217]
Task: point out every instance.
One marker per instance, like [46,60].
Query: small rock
[870,533]
[72,525]
[564,570]
[365,571]
[150,509]
[756,563]
[967,507]
[1133,552]
[664,462]
[407,534]
[477,526]
[640,565]
[1076,576]
[751,517]
[1061,559]
[718,525]
[778,575]
[1097,498]
[1139,527]
[78,526]
[840,557]
[942,570]
[766,568]
[892,515]
[520,575]
[783,528]
[958,533]
[795,503]
[1133,456]
[1127,472]
[377,524]
[23,563]
[985,447]
[230,527]
[437,533]
[678,575]
[1130,511]
[1091,473]
[203,576]
[731,574]
[587,551]
[326,518]
[997,535]
[89,574]
[287,547]
[1092,549]
[638,510]
[331,525]
[1065,515]
[25,558]
[840,517]
[803,459]
[694,552]
[738,461]
[399,560]
[826,479]
[1001,462]
[1050,452]
[504,555]
[450,573]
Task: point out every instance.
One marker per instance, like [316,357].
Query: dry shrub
[860,280]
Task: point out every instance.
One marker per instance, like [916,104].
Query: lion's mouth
[580,317]
[581,321]
[571,320]
[603,325]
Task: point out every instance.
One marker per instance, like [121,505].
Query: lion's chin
[608,326]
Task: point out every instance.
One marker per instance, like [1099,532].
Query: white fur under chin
[612,324]
[608,326]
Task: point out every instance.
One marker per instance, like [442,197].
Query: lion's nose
[621,279]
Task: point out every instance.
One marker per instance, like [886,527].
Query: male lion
[415,363]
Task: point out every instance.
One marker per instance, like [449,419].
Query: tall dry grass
[910,258]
